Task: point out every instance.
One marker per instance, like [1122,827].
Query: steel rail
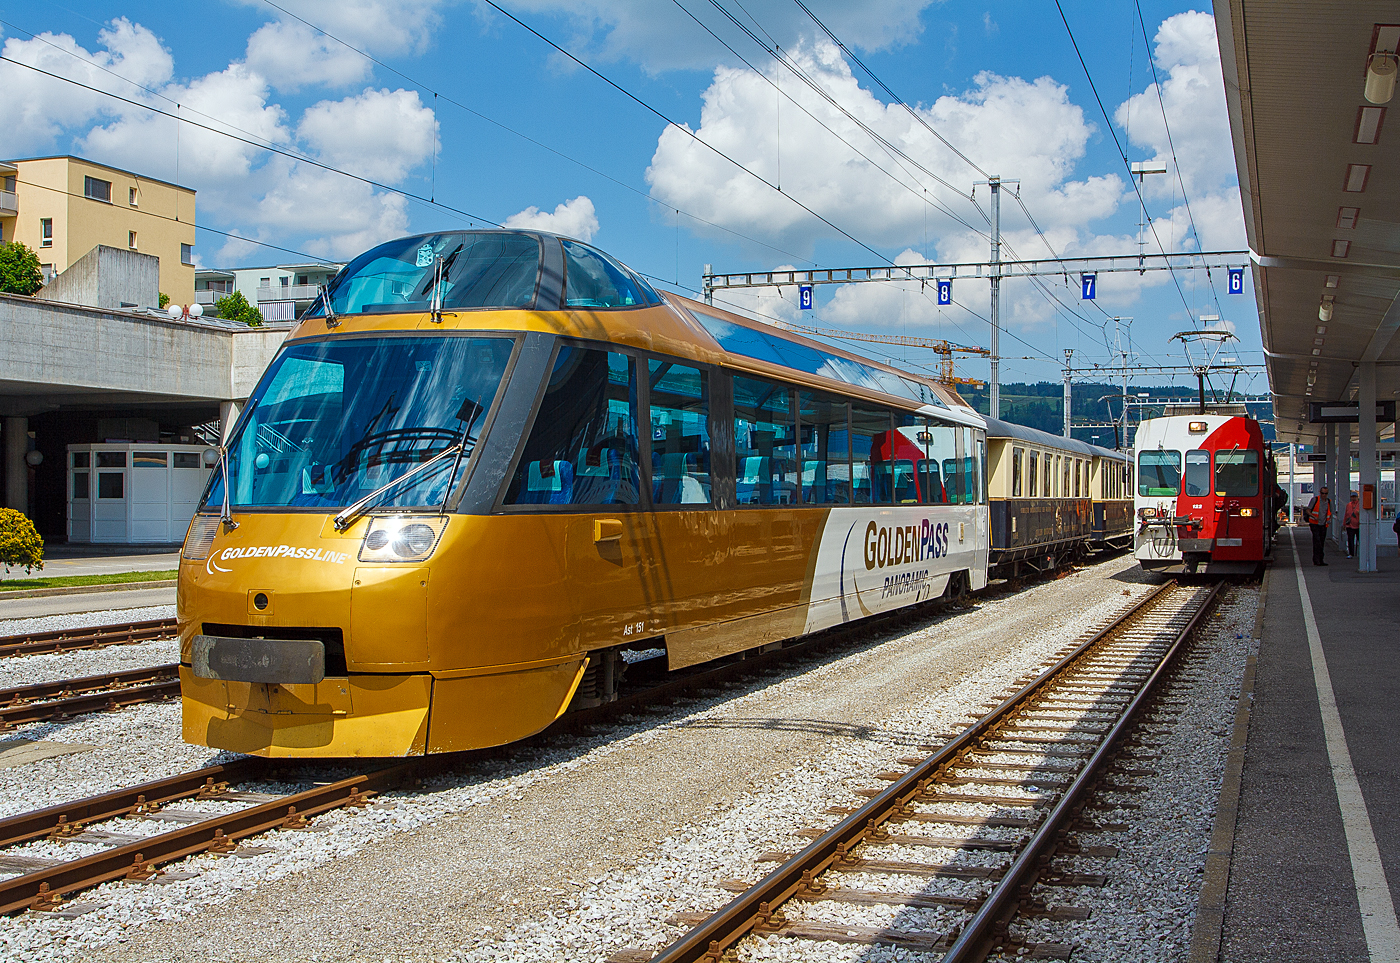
[62,819]
[737,918]
[981,934]
[96,693]
[87,637]
[83,684]
[44,889]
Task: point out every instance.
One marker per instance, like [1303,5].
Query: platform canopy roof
[1319,170]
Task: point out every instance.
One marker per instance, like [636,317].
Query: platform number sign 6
[1236,281]
[945,290]
[804,297]
[1088,285]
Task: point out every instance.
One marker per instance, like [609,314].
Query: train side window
[1159,473]
[765,443]
[1034,473]
[870,428]
[680,434]
[1237,473]
[1078,473]
[937,445]
[1196,482]
[957,473]
[981,468]
[826,449]
[1016,454]
[583,449]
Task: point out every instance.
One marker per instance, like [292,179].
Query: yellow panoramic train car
[490,467]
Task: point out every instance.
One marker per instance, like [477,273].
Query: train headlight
[401,539]
[1246,513]
[200,538]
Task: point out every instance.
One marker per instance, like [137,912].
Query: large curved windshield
[333,421]
[480,269]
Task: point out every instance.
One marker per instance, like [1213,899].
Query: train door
[582,465]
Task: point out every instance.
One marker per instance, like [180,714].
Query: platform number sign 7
[804,297]
[1236,281]
[1088,286]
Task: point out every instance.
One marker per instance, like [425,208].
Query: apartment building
[279,291]
[62,207]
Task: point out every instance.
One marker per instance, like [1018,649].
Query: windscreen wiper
[342,521]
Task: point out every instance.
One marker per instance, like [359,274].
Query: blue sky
[1000,81]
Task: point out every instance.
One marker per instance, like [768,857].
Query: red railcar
[1206,494]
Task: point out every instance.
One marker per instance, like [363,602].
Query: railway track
[1003,799]
[94,693]
[115,819]
[46,884]
[87,637]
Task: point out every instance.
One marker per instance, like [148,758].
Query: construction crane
[944,349]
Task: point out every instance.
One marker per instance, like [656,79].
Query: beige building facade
[63,207]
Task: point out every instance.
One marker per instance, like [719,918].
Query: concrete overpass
[71,374]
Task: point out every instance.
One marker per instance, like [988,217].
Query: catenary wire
[682,128]
[252,143]
[1118,144]
[1176,164]
[526,137]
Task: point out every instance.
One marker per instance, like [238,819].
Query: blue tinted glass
[763,346]
[595,280]
[490,269]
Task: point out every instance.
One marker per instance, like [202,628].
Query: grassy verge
[68,581]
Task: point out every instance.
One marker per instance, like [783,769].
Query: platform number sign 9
[1088,286]
[804,297]
[945,290]
[1236,281]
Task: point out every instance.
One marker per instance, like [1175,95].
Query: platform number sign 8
[804,297]
[945,290]
[1236,281]
[1088,284]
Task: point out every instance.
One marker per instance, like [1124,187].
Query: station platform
[1315,862]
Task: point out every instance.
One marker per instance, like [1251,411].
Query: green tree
[20,544]
[235,307]
[19,269]
[164,300]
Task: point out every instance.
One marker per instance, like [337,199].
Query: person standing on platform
[1318,515]
[1351,521]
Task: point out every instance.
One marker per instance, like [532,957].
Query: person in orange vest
[1351,522]
[1318,515]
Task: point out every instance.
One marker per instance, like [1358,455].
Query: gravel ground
[51,623]
[30,669]
[583,844]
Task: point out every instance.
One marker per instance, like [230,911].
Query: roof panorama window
[763,346]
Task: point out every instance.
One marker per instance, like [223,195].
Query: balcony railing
[207,297]
[290,292]
[9,204]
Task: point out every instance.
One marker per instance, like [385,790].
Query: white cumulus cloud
[379,134]
[36,109]
[1193,96]
[292,55]
[1027,129]
[575,218]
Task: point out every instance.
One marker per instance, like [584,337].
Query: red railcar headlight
[1246,513]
